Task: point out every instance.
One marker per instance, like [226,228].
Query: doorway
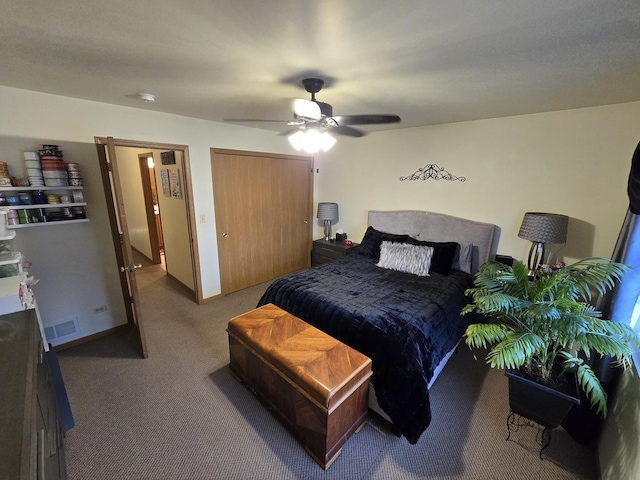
[171,202]
[118,159]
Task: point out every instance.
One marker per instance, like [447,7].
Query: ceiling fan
[314,121]
[319,115]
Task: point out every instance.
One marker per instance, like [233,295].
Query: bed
[407,323]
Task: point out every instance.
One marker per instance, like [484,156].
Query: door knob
[225,235]
[131,268]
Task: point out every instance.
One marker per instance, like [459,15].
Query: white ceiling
[429,61]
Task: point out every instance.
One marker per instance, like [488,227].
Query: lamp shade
[544,227]
[328,211]
[311,140]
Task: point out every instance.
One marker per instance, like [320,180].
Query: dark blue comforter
[405,323]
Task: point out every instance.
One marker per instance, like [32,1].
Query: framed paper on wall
[168,158]
[174,183]
[164,177]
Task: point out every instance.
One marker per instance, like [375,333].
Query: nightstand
[325,251]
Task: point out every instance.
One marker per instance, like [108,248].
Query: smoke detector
[146,97]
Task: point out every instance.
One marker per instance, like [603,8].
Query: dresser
[325,251]
[31,437]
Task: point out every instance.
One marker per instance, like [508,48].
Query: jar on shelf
[78,212]
[25,198]
[39,197]
[12,217]
[77,196]
[13,199]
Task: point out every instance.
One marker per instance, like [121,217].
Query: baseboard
[187,288]
[88,338]
[211,299]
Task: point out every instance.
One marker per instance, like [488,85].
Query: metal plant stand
[543,434]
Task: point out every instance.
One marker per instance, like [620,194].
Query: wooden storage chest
[315,384]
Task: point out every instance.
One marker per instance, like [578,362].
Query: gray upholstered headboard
[438,227]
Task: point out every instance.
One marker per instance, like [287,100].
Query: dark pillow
[370,245]
[443,254]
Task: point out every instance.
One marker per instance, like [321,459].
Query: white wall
[74,263]
[175,225]
[572,162]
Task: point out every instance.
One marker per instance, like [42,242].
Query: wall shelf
[45,224]
[45,205]
[36,189]
[8,236]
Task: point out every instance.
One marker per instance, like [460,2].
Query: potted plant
[537,327]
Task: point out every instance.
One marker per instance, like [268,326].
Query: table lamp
[328,212]
[541,228]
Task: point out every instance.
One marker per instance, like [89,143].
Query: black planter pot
[542,404]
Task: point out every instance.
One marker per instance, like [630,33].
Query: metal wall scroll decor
[432,171]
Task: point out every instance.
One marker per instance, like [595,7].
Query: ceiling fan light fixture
[311,140]
[327,141]
[297,140]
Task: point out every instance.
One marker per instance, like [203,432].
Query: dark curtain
[619,303]
[582,423]
[633,187]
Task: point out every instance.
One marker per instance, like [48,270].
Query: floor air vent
[66,328]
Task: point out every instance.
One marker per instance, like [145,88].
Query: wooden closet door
[263,205]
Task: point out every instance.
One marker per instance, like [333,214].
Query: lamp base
[327,229]
[536,254]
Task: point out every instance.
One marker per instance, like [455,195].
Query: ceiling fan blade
[365,119]
[325,108]
[350,132]
[242,120]
[289,131]
[307,109]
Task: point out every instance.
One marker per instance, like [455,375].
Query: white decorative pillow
[405,257]
[464,257]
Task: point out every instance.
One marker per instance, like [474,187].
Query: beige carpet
[180,414]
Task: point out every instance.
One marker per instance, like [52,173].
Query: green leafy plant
[535,322]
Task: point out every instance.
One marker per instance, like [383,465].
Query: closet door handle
[225,235]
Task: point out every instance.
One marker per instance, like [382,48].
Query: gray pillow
[404,257]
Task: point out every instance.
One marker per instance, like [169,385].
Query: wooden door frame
[148,207]
[188,193]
